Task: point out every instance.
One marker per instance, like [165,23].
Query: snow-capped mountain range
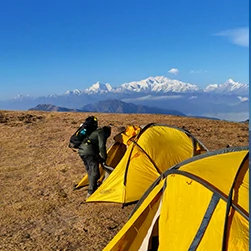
[229,86]
[229,100]
[161,84]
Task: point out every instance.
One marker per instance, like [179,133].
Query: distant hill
[109,106]
[49,107]
[118,106]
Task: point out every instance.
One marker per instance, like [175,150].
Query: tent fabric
[155,149]
[115,152]
[199,204]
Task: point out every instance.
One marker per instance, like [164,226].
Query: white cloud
[238,36]
[174,71]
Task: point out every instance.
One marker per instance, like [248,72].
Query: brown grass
[39,209]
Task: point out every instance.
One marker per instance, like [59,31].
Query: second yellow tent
[155,149]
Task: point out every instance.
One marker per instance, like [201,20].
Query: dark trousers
[91,163]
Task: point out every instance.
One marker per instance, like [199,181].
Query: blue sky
[51,46]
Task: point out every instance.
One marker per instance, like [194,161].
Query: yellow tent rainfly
[152,151]
[199,204]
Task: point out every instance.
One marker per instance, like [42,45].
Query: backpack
[85,129]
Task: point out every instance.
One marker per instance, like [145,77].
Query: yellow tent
[199,204]
[115,152]
[155,149]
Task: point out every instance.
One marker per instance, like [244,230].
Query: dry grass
[39,209]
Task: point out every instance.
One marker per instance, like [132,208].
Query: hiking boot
[87,196]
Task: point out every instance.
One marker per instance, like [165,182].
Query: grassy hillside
[39,209]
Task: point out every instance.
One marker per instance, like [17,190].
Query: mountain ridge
[51,108]
[225,101]
[161,84]
[158,84]
[109,106]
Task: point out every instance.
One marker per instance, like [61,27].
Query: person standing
[92,152]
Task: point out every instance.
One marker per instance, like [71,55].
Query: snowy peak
[99,88]
[137,86]
[163,84]
[230,86]
[76,92]
[159,84]
[211,88]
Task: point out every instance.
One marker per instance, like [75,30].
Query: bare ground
[39,209]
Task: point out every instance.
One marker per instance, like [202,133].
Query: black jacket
[95,144]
